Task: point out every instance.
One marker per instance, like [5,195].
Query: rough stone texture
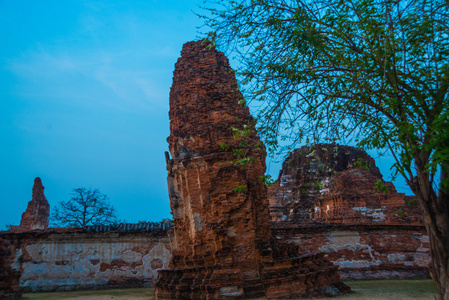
[222,244]
[336,184]
[38,210]
[10,269]
[48,260]
[364,251]
[74,259]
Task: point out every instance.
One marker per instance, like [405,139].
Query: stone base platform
[291,278]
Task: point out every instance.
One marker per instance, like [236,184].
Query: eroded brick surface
[222,244]
[38,210]
[10,269]
[73,259]
[364,250]
[329,183]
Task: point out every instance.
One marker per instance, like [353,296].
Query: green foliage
[267,180]
[380,187]
[312,154]
[412,202]
[400,212]
[335,151]
[224,146]
[243,132]
[240,189]
[368,71]
[362,164]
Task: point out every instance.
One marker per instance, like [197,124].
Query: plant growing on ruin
[361,164]
[380,187]
[242,152]
[400,212]
[267,180]
[374,71]
[85,207]
[412,202]
[239,189]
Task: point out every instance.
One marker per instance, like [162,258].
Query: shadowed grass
[391,290]
[116,294]
[362,290]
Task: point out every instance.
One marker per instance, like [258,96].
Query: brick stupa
[38,209]
[330,183]
[222,244]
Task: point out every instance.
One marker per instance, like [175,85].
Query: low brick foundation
[364,251]
[74,259]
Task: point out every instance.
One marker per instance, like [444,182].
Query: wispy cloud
[63,75]
[115,59]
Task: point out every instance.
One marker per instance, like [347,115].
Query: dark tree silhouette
[86,207]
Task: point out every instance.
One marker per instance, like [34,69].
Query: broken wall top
[204,102]
[38,210]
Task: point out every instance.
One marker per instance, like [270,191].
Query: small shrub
[240,189]
[380,187]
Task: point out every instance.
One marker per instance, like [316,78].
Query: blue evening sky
[84,89]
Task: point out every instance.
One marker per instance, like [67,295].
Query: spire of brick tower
[222,244]
[38,210]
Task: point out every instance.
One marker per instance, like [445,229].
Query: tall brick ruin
[38,209]
[222,244]
[330,183]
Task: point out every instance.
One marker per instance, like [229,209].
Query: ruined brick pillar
[38,209]
[222,244]
[10,271]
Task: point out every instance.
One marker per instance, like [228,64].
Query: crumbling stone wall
[37,261]
[10,268]
[73,259]
[330,183]
[364,251]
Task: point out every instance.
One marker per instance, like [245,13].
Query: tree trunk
[435,206]
[439,265]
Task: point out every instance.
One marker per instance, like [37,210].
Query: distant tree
[86,207]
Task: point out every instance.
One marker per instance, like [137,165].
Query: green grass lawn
[391,289]
[362,290]
[116,294]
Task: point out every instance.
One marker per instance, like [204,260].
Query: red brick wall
[364,251]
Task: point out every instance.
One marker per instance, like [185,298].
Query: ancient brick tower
[333,183]
[222,244]
[38,210]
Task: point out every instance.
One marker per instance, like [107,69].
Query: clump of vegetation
[239,189]
[380,187]
[373,72]
[362,164]
[412,202]
[400,212]
[267,180]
